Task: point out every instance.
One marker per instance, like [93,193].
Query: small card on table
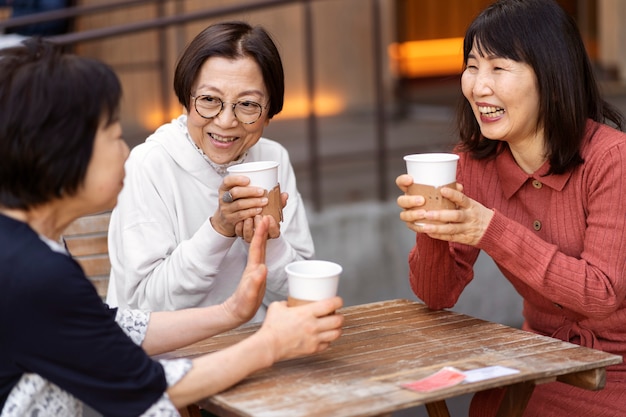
[444,378]
[449,376]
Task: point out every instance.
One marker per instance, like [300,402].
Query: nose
[226,118]
[482,84]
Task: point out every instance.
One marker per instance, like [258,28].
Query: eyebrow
[243,93]
[489,57]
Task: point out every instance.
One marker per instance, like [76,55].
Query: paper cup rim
[433,157]
[252,167]
[333,269]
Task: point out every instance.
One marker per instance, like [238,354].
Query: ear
[267,122]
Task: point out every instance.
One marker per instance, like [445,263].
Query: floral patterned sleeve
[135,324]
[174,371]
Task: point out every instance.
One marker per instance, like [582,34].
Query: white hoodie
[165,254]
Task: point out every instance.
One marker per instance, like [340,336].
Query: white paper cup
[435,169]
[431,172]
[312,280]
[262,174]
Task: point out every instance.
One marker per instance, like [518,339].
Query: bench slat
[86,240]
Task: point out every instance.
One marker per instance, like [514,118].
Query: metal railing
[163,21]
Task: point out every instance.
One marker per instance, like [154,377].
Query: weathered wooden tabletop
[389,343]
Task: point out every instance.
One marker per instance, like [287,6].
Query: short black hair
[232,40]
[52,105]
[541,34]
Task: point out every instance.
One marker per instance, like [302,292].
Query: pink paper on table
[444,378]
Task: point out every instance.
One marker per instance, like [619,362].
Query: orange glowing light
[325,104]
[426,58]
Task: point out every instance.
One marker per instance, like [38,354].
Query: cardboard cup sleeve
[274,206]
[434,199]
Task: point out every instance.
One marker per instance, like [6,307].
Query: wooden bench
[86,239]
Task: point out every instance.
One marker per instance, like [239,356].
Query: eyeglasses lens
[245,111]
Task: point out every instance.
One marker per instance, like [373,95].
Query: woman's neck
[47,220]
[529,155]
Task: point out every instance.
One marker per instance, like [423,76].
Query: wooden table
[389,343]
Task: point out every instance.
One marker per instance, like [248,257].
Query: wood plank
[87,245]
[86,240]
[95,265]
[594,379]
[89,224]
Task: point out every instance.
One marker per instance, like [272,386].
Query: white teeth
[222,139]
[491,111]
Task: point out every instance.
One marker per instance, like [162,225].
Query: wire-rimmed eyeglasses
[246,111]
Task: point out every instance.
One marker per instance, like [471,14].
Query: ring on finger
[227,197]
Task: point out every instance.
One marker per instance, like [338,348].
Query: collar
[513,177]
[221,169]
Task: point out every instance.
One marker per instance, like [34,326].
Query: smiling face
[224,138]
[504,97]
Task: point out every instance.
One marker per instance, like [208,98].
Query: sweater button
[537,184]
[537,225]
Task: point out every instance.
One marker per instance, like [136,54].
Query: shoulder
[42,284]
[603,141]
[268,149]
[270,145]
[54,277]
[163,140]
[165,147]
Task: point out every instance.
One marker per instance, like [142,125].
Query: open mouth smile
[490,111]
[222,139]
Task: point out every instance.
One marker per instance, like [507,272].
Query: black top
[53,323]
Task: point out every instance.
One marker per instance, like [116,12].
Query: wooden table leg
[515,399]
[190,411]
[437,409]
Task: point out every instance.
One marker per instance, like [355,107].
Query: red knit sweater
[559,239]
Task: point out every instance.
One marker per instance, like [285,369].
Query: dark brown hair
[232,40]
[540,34]
[52,106]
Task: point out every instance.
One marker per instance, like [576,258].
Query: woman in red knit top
[542,190]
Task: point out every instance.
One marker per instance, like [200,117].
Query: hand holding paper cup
[311,280]
[431,172]
[263,174]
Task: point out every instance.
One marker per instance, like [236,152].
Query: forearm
[217,371]
[172,275]
[169,330]
[439,271]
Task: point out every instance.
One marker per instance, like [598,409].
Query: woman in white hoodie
[180,234]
